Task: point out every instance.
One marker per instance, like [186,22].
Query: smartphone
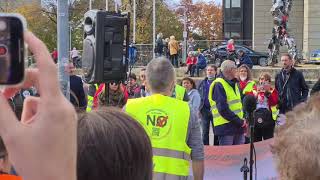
[12,49]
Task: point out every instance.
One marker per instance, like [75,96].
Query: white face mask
[243,78]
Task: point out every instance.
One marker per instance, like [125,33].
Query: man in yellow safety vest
[173,129]
[226,106]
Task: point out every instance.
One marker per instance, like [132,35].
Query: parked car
[314,57]
[219,54]
[210,56]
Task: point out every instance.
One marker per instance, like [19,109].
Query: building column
[311,35]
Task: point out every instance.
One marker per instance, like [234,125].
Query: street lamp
[154,28]
[185,33]
[134,20]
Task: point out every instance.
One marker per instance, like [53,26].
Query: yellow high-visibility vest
[233,100]
[275,112]
[249,87]
[90,100]
[165,120]
[179,92]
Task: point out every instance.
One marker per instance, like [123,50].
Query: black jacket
[202,92]
[292,91]
[76,86]
[315,88]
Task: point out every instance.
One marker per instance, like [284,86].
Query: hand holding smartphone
[12,50]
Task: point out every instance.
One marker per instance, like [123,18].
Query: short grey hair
[160,75]
[227,66]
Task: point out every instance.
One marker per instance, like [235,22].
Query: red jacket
[191,60]
[230,48]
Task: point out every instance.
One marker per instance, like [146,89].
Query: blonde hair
[297,143]
[172,38]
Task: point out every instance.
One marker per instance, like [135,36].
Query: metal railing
[145,51]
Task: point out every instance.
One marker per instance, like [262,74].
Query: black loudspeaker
[105,56]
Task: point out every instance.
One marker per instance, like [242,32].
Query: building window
[227,3]
[236,15]
[236,3]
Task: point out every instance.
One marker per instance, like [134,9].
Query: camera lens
[3,25]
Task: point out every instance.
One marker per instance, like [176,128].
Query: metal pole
[107,5]
[154,28]
[184,50]
[90,4]
[70,35]
[134,20]
[63,46]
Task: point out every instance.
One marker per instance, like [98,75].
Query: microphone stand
[245,168]
[251,125]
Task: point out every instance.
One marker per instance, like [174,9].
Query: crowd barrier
[224,162]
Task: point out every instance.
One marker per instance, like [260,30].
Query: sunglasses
[114,83]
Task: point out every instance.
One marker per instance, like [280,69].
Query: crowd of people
[156,129]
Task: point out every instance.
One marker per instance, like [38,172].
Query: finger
[31,80]
[48,75]
[30,108]
[8,121]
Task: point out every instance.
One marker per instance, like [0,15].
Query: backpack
[262,118]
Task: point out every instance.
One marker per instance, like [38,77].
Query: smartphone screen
[11,50]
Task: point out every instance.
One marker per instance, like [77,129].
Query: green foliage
[39,24]
[168,22]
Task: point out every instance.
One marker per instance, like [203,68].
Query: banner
[224,162]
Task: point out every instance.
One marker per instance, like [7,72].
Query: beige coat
[173,46]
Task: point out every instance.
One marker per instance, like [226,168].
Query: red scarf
[243,84]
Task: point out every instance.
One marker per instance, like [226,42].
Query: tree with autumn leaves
[204,19]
